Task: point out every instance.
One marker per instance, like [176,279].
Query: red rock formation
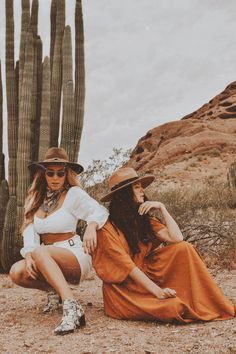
[222,106]
[209,131]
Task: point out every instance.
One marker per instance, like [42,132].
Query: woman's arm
[113,263]
[90,237]
[31,240]
[172,231]
[140,278]
[88,209]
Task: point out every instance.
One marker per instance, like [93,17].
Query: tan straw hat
[57,156]
[124,177]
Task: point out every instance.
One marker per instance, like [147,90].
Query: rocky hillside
[200,145]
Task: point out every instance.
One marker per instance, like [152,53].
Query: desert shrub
[193,164]
[215,152]
[99,170]
[206,217]
[94,178]
[186,201]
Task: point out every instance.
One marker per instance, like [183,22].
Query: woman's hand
[165,293]
[148,205]
[31,268]
[172,231]
[90,238]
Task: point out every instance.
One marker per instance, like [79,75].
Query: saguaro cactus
[36,97]
[24,130]
[34,107]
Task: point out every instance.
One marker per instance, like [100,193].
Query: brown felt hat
[124,177]
[56,155]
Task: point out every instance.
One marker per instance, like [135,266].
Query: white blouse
[76,205]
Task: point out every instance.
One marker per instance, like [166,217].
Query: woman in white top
[53,253]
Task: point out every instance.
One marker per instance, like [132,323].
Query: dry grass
[207,218]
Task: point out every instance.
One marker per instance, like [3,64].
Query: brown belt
[50,238]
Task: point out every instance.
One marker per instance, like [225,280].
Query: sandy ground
[25,329]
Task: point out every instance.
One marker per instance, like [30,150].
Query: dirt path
[24,329]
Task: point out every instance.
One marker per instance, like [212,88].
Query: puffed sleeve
[31,240]
[111,258]
[84,207]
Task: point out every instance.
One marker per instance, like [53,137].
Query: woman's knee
[39,254]
[17,272]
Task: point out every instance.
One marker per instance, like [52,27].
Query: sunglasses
[51,173]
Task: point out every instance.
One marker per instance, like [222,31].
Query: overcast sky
[147,62]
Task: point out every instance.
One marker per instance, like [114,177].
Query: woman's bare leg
[57,265]
[20,277]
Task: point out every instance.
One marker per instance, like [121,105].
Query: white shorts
[74,244]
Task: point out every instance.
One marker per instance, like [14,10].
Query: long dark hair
[124,216]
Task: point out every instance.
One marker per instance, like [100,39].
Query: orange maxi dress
[177,266]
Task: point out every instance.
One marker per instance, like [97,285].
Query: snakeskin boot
[53,303]
[73,317]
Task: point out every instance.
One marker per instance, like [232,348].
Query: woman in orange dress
[142,281]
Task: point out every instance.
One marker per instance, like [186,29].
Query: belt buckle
[71,242]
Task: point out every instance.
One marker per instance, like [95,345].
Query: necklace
[51,199]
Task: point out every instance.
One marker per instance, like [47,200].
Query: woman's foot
[53,303]
[73,317]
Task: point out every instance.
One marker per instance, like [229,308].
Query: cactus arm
[44,135]
[67,131]
[56,78]
[79,76]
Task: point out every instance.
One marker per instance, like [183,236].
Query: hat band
[118,185]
